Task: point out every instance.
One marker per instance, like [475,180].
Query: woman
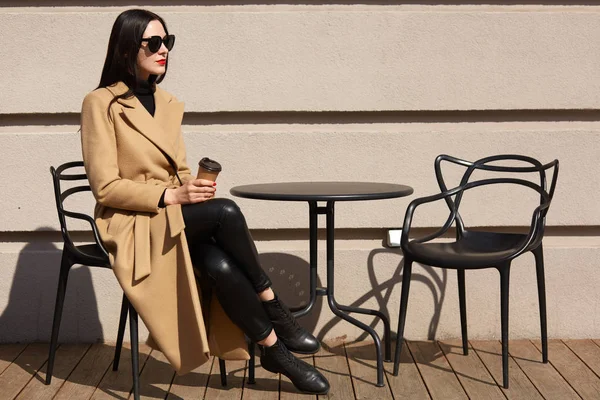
[160,229]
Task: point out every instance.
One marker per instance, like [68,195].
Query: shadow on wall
[291,282]
[382,291]
[290,277]
[30,309]
[29,312]
[28,315]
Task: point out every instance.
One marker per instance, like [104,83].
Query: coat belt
[142,263]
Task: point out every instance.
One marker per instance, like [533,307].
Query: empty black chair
[95,255]
[481,249]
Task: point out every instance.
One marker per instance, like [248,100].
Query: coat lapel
[162,129]
[169,114]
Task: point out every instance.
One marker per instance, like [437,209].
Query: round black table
[330,192]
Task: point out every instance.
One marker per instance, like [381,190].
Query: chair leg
[121,332]
[463,310]
[135,354]
[402,317]
[65,266]
[504,290]
[539,266]
[223,371]
[251,364]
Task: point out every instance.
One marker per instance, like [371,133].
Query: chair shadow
[285,278]
[382,292]
[28,315]
[446,348]
[361,354]
[30,309]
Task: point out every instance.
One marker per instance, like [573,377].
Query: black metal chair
[480,249]
[95,255]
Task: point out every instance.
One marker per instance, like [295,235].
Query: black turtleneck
[145,94]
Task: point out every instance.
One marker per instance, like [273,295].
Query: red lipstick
[162,62]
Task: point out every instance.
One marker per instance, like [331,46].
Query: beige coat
[125,153]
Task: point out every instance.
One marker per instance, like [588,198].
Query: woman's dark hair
[123,47]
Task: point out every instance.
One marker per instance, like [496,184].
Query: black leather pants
[224,253]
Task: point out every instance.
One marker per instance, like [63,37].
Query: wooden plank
[332,363]
[577,374]
[287,389]
[266,386]
[520,387]
[436,372]
[118,384]
[545,378]
[363,369]
[67,358]
[24,367]
[587,351]
[408,384]
[8,352]
[475,379]
[191,385]
[156,377]
[235,381]
[88,373]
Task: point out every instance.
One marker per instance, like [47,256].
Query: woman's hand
[193,191]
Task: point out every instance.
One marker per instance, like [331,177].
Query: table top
[322,191]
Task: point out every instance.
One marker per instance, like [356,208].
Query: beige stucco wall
[328,92]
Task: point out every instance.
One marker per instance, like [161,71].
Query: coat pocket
[115,223]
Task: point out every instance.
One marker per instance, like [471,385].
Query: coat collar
[164,128]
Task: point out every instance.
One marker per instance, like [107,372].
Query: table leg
[313,232]
[337,309]
[386,326]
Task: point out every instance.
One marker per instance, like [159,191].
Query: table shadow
[291,282]
[382,291]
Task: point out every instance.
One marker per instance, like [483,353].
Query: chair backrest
[485,164]
[62,173]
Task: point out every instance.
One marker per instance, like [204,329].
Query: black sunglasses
[155,42]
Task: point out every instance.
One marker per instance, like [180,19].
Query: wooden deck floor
[435,370]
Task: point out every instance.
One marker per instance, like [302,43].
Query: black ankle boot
[305,377]
[295,338]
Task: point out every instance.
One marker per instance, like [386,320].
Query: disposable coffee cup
[208,169]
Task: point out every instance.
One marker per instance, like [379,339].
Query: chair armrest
[92,223]
[444,195]
[535,226]
[422,200]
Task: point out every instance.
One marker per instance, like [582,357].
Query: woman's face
[149,63]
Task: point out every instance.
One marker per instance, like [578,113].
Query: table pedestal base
[340,310]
